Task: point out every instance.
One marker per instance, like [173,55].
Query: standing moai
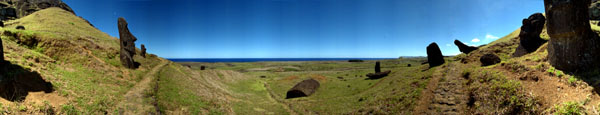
[573,46]
[434,55]
[143,51]
[127,41]
[377,69]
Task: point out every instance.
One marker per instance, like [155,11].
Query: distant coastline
[266,59]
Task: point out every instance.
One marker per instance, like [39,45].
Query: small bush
[569,108]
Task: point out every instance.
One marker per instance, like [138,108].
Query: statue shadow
[16,82]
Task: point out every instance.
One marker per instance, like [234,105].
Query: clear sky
[306,28]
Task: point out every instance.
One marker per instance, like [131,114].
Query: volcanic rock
[127,44]
[143,51]
[13,9]
[202,67]
[377,68]
[408,65]
[19,27]
[464,48]
[529,36]
[489,59]
[573,46]
[303,89]
[434,55]
[378,74]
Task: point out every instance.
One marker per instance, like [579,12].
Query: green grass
[174,92]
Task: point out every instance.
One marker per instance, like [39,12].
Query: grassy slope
[80,61]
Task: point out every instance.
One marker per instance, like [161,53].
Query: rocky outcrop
[434,55]
[377,68]
[573,46]
[127,43]
[303,89]
[13,9]
[202,67]
[464,48]
[529,37]
[489,59]
[143,54]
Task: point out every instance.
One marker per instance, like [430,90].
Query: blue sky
[306,28]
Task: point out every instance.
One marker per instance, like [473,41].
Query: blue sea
[266,59]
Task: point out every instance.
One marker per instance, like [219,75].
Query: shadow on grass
[16,82]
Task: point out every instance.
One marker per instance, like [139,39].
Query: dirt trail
[445,94]
[280,102]
[133,101]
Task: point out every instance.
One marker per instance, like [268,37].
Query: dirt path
[280,102]
[133,102]
[445,94]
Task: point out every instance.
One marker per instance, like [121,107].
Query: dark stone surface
[1,53]
[13,9]
[529,36]
[434,55]
[127,43]
[19,27]
[408,65]
[377,67]
[1,23]
[489,59]
[143,54]
[378,74]
[464,48]
[355,60]
[573,46]
[202,67]
[303,89]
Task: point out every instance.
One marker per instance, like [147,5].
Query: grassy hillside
[79,61]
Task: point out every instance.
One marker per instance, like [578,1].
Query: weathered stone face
[127,43]
[464,48]
[377,68]
[302,89]
[143,51]
[434,55]
[573,46]
[489,59]
[529,36]
[12,9]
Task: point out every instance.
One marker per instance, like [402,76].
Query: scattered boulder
[355,60]
[20,27]
[1,24]
[434,55]
[529,36]
[464,48]
[378,74]
[262,76]
[143,51]
[202,67]
[489,59]
[408,65]
[127,43]
[377,68]
[573,46]
[303,89]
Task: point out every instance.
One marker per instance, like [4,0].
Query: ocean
[266,59]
